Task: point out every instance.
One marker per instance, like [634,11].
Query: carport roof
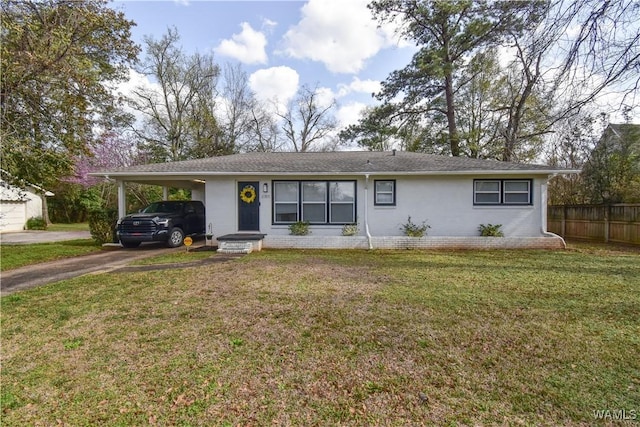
[333,163]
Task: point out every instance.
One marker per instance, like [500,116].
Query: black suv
[166,221]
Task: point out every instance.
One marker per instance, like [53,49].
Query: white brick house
[264,193]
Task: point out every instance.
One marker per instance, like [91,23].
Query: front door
[248,206]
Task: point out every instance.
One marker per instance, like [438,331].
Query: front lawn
[14,256]
[332,338]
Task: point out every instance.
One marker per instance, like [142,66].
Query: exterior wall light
[265,187]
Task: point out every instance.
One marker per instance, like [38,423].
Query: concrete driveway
[111,259]
[54,271]
[38,236]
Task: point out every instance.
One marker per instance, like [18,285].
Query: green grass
[82,226]
[14,256]
[181,256]
[332,338]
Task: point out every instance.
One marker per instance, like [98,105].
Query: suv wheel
[176,237]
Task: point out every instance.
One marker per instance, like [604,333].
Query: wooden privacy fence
[605,223]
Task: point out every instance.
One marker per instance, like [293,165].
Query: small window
[385,193]
[517,192]
[487,192]
[502,192]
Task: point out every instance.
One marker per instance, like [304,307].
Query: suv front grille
[138,226]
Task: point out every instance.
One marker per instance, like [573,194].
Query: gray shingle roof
[347,162]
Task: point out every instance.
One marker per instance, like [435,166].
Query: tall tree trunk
[45,209]
[454,139]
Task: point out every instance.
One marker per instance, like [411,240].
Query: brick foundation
[402,242]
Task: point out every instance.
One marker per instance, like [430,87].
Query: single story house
[17,205]
[262,194]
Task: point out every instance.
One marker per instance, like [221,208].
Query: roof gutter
[190,174]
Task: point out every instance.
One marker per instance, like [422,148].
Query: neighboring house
[264,193]
[17,205]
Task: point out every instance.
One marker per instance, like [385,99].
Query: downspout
[366,210]
[543,212]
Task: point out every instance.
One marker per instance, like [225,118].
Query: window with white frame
[516,192]
[318,202]
[385,192]
[502,192]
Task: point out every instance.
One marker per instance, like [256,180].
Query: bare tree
[603,55]
[307,122]
[238,100]
[179,117]
[264,133]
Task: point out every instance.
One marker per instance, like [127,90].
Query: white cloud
[359,86]
[136,82]
[247,47]
[349,114]
[340,34]
[277,84]
[324,96]
[268,24]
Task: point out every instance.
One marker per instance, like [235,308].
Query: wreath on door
[248,194]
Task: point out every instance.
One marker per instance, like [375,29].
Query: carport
[164,180]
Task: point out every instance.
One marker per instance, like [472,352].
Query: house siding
[14,214]
[444,202]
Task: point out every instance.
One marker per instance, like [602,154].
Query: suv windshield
[163,207]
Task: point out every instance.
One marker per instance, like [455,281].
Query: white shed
[17,205]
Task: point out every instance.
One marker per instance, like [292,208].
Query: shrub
[414,230]
[102,224]
[300,228]
[350,229]
[36,223]
[490,230]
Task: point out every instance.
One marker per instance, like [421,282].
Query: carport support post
[122,199]
[165,193]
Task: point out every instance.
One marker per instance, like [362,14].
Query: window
[487,192]
[385,193]
[342,206]
[314,201]
[502,192]
[517,192]
[285,201]
[319,202]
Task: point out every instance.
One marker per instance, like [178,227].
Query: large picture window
[319,202]
[502,192]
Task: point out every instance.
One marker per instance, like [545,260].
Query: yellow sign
[188,241]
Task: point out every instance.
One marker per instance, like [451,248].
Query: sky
[333,45]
